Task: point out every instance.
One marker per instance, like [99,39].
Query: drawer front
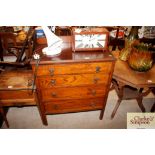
[72,93]
[64,106]
[75,68]
[18,94]
[72,80]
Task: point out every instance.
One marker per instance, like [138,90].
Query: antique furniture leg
[119,90]
[110,87]
[153,108]
[41,111]
[139,100]
[102,112]
[4,116]
[116,107]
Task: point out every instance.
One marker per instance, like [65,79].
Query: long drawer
[72,80]
[76,68]
[72,92]
[64,106]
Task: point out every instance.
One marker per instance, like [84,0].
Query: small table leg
[153,108]
[116,107]
[119,90]
[139,100]
[4,116]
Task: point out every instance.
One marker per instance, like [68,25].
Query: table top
[68,56]
[126,75]
[16,79]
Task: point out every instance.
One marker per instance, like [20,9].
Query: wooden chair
[17,89]
[16,81]
[63,30]
[115,41]
[21,50]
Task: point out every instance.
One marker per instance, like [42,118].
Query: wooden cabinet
[69,83]
[16,90]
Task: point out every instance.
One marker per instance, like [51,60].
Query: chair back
[23,50]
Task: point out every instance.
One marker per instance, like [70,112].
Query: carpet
[29,118]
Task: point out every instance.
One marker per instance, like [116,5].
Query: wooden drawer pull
[98,69]
[54,94]
[96,80]
[51,70]
[53,82]
[30,82]
[93,92]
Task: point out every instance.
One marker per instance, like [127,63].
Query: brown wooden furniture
[1,50]
[23,50]
[153,107]
[16,89]
[73,82]
[130,84]
[63,30]
[115,42]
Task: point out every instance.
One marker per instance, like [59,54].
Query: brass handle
[30,82]
[54,94]
[53,82]
[51,70]
[92,104]
[93,92]
[96,80]
[98,69]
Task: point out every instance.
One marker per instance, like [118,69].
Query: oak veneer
[73,82]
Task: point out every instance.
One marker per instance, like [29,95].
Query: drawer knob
[96,80]
[92,104]
[54,94]
[51,70]
[93,92]
[98,69]
[53,82]
[30,82]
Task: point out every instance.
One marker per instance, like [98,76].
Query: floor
[29,118]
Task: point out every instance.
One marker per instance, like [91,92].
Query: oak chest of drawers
[73,82]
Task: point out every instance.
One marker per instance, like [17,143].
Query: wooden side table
[16,89]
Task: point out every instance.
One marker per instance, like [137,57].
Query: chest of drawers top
[68,56]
